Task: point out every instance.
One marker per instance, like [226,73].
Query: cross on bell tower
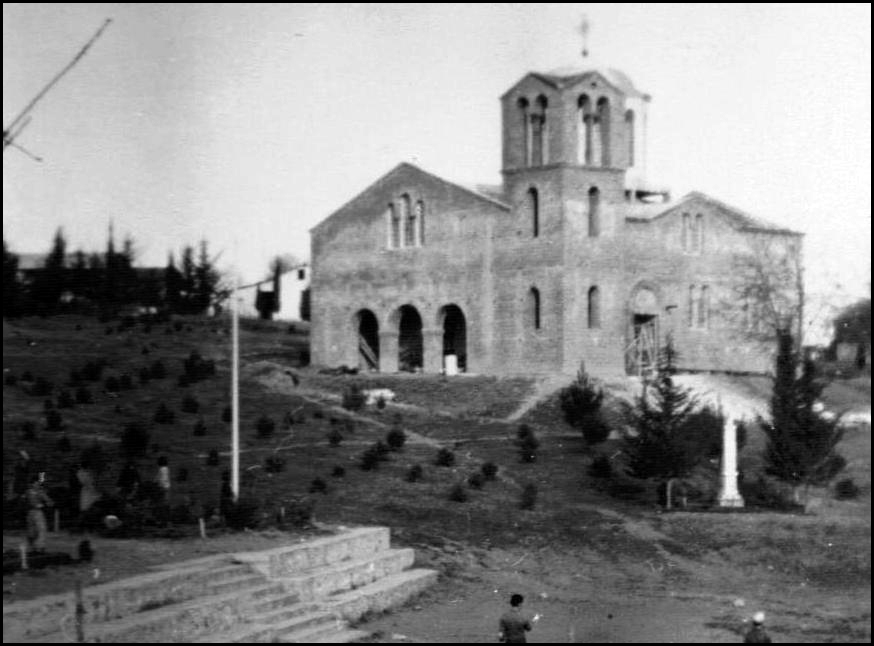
[584,32]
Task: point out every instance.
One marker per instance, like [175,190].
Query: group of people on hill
[28,486]
[515,623]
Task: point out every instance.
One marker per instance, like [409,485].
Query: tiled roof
[566,76]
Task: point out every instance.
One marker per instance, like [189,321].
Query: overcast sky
[248,124]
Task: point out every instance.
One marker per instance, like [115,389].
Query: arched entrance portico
[454,326]
[643,332]
[410,343]
[368,340]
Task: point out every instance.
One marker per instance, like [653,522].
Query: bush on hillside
[444,458]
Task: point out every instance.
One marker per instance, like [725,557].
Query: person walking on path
[515,623]
[37,500]
[756,634]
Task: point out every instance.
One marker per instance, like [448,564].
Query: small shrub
[164,415]
[353,397]
[847,489]
[445,458]
[226,414]
[415,473]
[125,382]
[458,493]
[265,426]
[212,459]
[338,472]
[10,379]
[243,514]
[318,486]
[476,480]
[177,326]
[41,387]
[158,371]
[145,376]
[66,400]
[184,381]
[370,459]
[274,464]
[64,445]
[93,370]
[527,443]
[182,474]
[27,376]
[601,467]
[145,350]
[334,437]
[134,441]
[54,421]
[489,470]
[75,378]
[529,496]
[83,395]
[190,404]
[28,430]
[318,414]
[48,405]
[396,438]
[380,402]
[200,428]
[382,450]
[111,385]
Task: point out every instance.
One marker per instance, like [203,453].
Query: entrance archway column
[432,341]
[388,351]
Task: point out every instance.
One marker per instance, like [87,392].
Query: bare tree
[767,289]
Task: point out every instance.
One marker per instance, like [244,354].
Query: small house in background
[261,297]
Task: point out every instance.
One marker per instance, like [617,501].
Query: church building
[573,259]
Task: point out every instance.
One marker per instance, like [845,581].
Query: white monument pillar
[729,496]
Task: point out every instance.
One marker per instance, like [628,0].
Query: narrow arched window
[703,307]
[420,220]
[629,124]
[538,132]
[533,209]
[534,307]
[699,233]
[594,307]
[394,224]
[604,130]
[407,220]
[692,306]
[584,130]
[594,212]
[522,106]
[685,237]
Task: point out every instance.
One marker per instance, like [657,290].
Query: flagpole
[235,393]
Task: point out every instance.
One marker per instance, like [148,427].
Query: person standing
[163,477]
[756,634]
[514,623]
[37,500]
[20,475]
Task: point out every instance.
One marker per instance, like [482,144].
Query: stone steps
[307,592]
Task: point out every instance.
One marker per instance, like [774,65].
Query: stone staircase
[303,593]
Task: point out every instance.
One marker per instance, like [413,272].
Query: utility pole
[235,392]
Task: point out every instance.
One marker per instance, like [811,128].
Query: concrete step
[314,632]
[109,601]
[237,582]
[352,544]
[176,622]
[380,595]
[278,615]
[255,630]
[346,636]
[347,575]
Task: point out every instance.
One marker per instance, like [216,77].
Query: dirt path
[544,387]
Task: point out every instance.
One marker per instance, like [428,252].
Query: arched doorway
[454,335]
[410,353]
[643,346]
[368,340]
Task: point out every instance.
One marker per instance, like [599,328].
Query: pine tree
[581,405]
[12,291]
[661,446]
[205,280]
[172,285]
[802,444]
[188,284]
[51,282]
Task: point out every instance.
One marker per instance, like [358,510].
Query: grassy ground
[582,549]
